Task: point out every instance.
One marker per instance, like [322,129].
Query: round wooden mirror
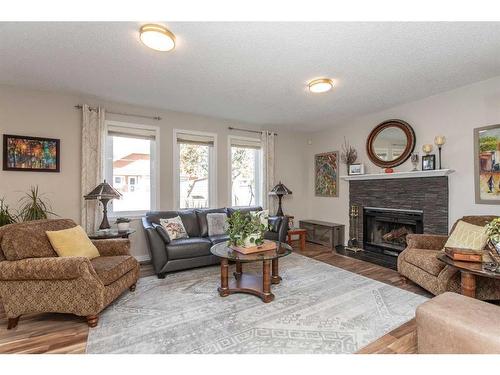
[390,143]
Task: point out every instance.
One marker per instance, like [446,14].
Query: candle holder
[439,141]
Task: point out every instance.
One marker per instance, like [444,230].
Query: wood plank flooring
[62,333]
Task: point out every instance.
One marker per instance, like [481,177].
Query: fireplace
[385,230]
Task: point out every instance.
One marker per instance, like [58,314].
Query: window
[131,156]
[194,169]
[246,171]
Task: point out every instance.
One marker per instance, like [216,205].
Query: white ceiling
[254,72]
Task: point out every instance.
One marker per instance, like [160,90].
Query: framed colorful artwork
[31,154]
[326,174]
[487,164]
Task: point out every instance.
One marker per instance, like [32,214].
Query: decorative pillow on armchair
[468,236]
[174,227]
[217,223]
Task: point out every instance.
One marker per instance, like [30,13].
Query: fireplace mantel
[384,176]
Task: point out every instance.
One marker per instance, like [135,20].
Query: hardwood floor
[63,333]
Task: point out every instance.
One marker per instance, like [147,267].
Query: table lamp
[104,193]
[280,190]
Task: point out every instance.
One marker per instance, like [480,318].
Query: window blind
[128,132]
[196,139]
[246,143]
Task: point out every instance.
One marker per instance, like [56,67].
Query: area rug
[318,308]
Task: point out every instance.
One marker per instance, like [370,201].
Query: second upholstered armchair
[419,263]
[33,279]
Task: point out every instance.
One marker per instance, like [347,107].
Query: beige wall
[38,113]
[454,114]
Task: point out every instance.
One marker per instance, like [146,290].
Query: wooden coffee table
[259,286]
[468,273]
[302,233]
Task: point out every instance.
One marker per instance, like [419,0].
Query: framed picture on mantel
[487,164]
[31,154]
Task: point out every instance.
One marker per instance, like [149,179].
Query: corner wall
[453,114]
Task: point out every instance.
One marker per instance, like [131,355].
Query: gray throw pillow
[217,224]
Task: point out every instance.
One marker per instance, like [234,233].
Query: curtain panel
[268,149]
[93,141]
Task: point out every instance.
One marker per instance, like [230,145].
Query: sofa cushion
[110,269]
[218,238]
[426,260]
[217,224]
[28,240]
[162,232]
[174,228]
[272,236]
[188,248]
[275,223]
[201,213]
[190,221]
[72,242]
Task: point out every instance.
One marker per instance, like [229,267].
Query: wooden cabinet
[323,232]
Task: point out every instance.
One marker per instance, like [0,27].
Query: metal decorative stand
[353,243]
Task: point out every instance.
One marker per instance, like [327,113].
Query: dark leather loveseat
[174,255]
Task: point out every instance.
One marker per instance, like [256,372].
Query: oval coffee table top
[223,250]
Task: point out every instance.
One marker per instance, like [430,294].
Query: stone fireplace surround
[429,194]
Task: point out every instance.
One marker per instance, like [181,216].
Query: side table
[302,233]
[110,234]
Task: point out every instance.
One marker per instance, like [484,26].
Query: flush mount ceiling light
[320,85]
[157,37]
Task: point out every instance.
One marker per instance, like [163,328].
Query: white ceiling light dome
[157,37]
[320,85]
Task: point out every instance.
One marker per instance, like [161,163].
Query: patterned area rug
[318,309]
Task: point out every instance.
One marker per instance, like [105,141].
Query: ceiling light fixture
[157,37]
[320,85]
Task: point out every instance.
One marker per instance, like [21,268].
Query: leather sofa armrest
[119,246]
[426,241]
[54,268]
[156,246]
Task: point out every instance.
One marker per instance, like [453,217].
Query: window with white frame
[131,165]
[194,169]
[246,171]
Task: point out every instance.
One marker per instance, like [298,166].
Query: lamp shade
[280,189]
[103,191]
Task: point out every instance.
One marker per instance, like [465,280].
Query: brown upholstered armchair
[418,262]
[33,279]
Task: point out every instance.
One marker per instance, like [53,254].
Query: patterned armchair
[33,279]
[418,262]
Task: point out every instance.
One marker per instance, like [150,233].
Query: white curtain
[268,145]
[93,140]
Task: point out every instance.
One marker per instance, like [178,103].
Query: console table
[324,232]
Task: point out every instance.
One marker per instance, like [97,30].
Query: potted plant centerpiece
[123,224]
[246,231]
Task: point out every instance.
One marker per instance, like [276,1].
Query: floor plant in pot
[34,206]
[6,217]
[245,230]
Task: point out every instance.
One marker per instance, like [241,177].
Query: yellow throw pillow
[72,242]
[468,236]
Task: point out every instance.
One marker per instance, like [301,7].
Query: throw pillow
[174,227]
[468,236]
[72,242]
[217,224]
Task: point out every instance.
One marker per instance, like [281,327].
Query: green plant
[493,229]
[244,225]
[34,206]
[5,216]
[122,220]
